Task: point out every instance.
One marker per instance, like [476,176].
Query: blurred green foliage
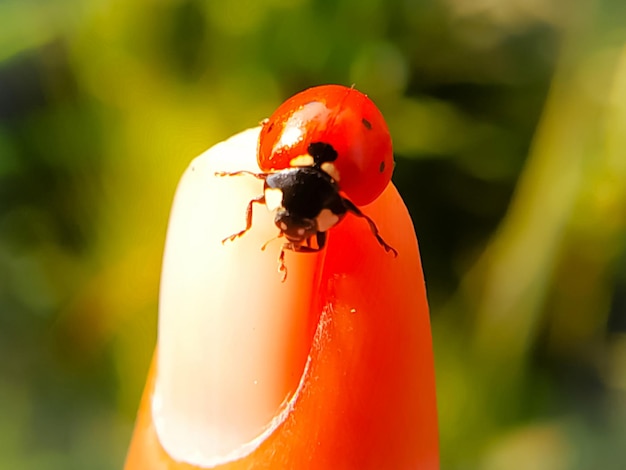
[509,123]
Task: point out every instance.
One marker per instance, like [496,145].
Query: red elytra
[342,117]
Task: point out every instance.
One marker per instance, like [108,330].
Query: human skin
[332,368]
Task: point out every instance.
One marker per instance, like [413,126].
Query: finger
[227,325]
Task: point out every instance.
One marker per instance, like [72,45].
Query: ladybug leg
[308,246]
[282,268]
[259,200]
[321,240]
[356,211]
[261,176]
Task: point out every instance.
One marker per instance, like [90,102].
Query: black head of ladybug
[306,202]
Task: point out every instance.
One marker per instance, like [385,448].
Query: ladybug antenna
[271,240]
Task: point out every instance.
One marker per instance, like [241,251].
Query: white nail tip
[195,451]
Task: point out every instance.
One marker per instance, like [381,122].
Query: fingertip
[234,341]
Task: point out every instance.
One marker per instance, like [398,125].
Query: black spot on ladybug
[381,168]
[322,152]
[367,124]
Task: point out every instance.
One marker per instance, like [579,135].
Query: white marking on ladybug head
[273,199]
[325,220]
[302,160]
[331,169]
[301,231]
[283,226]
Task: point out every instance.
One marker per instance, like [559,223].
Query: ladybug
[324,152]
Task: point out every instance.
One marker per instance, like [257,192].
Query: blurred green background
[509,124]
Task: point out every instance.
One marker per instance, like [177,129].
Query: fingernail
[233,339]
